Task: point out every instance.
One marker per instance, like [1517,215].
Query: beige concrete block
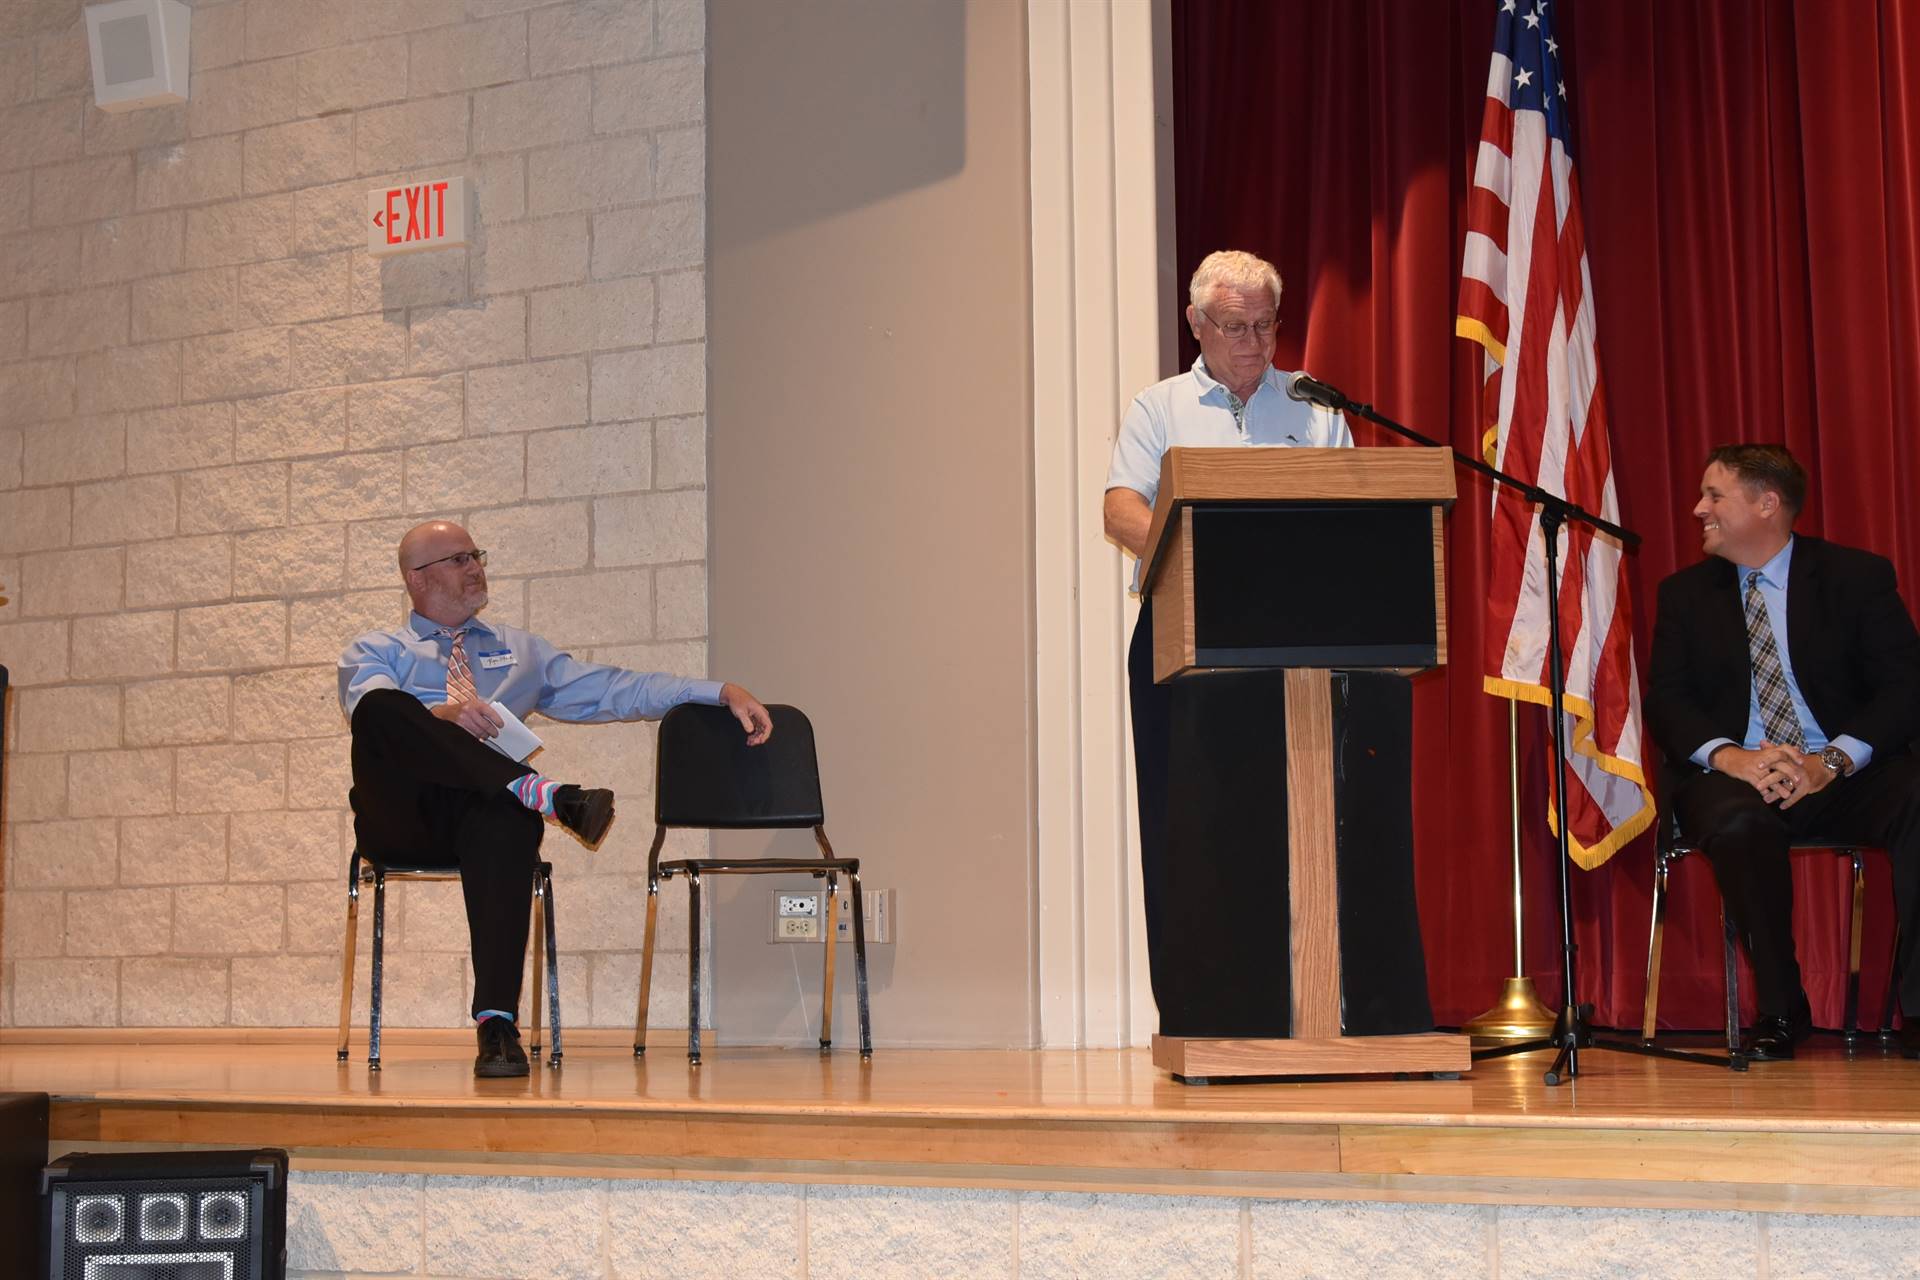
[119,783]
[908,1232]
[173,993]
[239,231]
[356,349]
[683,306]
[428,916]
[499,184]
[351,76]
[85,449]
[650,528]
[647,95]
[32,924]
[83,190]
[357,1222]
[16,71]
[289,991]
[410,280]
[124,510]
[331,216]
[593,317]
[174,850]
[531,255]
[611,458]
[381,18]
[299,702]
[137,245]
[479,473]
[295,289]
[233,635]
[59,324]
[176,439]
[129,378]
[276,27]
[184,304]
[60,62]
[288,426]
[1067,1234]
[410,135]
[223,779]
[36,788]
[322,628]
[492,331]
[286,562]
[281,847]
[348,488]
[244,96]
[16,200]
[74,854]
[616,986]
[372,551]
[681,26]
[591,175]
[219,37]
[69,582]
[609,913]
[302,154]
[73,718]
[40,261]
[171,712]
[320,772]
[685,1230]
[680,453]
[119,922]
[65,993]
[37,389]
[467,56]
[656,237]
[680,602]
[528,397]
[515,1226]
[424,989]
[35,520]
[533,539]
[13,329]
[316,916]
[1623,1242]
[650,383]
[682,657]
[241,497]
[196,172]
[180,571]
[1839,1247]
[40,133]
[592,608]
[589,33]
[9,572]
[10,458]
[412,411]
[229,919]
[541,113]
[680,162]
[222,366]
[119,644]
[107,132]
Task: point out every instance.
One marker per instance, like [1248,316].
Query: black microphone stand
[1572,1030]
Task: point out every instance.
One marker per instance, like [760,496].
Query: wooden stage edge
[1827,1133]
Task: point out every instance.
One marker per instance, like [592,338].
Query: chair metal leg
[646,970]
[1656,936]
[379,965]
[860,964]
[1731,938]
[349,954]
[826,978]
[1850,1022]
[539,955]
[693,968]
[553,965]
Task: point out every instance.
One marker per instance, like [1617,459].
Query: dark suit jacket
[1852,643]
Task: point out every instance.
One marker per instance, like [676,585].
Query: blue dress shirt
[1773,593]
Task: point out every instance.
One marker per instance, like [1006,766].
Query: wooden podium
[1309,560]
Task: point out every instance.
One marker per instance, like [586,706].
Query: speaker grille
[126,50]
[138,1229]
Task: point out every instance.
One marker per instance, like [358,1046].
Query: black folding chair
[705,775]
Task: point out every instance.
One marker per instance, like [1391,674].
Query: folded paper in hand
[514,741]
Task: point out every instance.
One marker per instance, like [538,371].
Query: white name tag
[495,658]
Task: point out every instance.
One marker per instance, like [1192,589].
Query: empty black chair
[705,775]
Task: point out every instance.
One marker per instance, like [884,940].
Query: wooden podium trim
[1312,885]
[1174,637]
[1195,1057]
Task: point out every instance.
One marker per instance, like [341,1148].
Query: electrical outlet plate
[800,916]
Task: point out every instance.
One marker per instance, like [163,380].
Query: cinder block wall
[218,413]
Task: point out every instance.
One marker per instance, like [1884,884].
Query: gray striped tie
[1777,718]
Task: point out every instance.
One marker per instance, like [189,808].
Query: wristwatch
[1836,761]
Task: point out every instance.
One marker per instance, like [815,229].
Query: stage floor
[1825,1133]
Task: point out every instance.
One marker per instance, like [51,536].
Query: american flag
[1526,297]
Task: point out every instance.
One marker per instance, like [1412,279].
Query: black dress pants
[1746,839]
[428,793]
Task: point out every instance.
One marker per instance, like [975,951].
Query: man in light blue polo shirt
[1232,396]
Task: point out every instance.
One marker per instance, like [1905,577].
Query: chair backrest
[705,774]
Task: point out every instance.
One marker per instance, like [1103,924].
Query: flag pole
[1519,1015]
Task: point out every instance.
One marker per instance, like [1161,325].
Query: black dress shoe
[1774,1037]
[500,1052]
[586,812]
[1910,1037]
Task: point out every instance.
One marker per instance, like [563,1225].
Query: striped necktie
[1777,717]
[460,686]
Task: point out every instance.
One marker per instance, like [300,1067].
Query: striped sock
[534,790]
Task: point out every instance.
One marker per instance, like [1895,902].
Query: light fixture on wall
[139,50]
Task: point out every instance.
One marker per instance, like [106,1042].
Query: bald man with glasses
[428,790]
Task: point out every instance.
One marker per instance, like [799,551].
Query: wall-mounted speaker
[166,1215]
[139,50]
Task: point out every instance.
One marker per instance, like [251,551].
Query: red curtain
[1751,173]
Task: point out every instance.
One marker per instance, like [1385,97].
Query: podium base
[1196,1058]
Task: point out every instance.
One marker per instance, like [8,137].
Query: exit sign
[419,215]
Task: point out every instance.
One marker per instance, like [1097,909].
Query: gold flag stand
[1519,1015]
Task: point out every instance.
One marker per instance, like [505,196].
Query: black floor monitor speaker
[23,1153]
[167,1215]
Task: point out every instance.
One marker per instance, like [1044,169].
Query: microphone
[1304,386]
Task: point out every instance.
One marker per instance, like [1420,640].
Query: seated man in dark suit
[1785,694]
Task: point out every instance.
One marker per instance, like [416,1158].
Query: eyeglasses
[1234,330]
[459,560]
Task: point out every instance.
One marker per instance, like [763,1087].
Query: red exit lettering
[423,217]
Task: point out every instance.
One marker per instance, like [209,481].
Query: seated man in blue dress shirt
[426,788]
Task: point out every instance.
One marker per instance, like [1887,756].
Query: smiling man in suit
[1784,692]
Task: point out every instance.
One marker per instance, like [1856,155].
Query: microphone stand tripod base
[1519,1015]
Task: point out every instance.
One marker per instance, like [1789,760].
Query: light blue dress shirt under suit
[1773,593]
[513,667]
